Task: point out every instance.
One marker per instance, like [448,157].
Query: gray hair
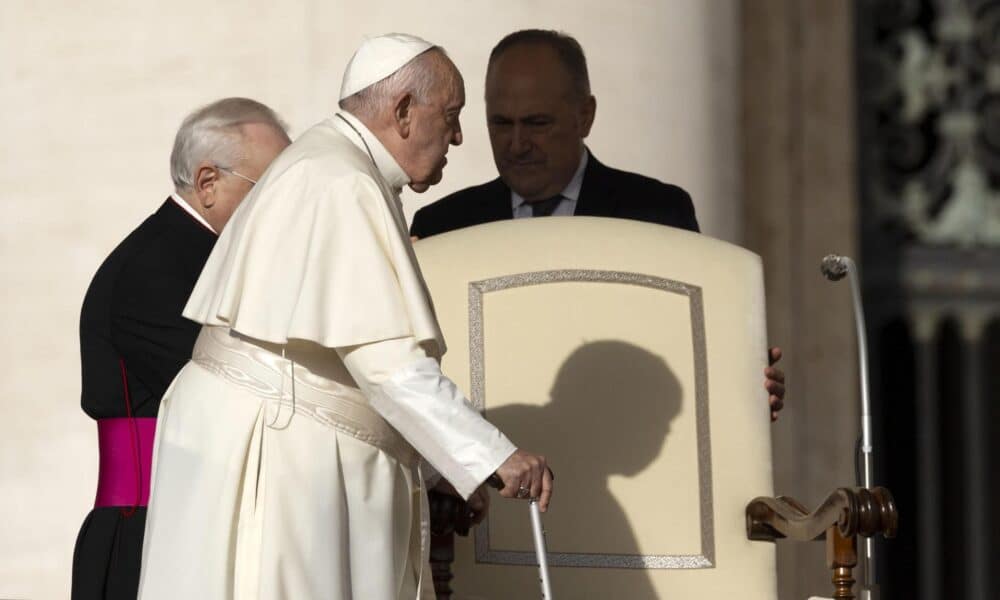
[214,132]
[419,77]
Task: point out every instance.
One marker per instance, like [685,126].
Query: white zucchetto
[378,58]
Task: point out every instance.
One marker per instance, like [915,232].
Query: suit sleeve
[148,330]
[685,206]
[420,227]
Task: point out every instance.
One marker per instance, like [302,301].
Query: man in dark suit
[539,109]
[133,339]
[604,192]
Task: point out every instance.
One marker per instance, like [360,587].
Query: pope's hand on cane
[538,532]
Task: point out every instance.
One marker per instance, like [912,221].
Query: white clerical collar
[571,192]
[191,211]
[363,138]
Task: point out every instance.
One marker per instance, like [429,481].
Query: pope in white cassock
[288,460]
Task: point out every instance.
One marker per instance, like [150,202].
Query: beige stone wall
[91,94]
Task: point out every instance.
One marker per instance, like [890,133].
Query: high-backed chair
[632,356]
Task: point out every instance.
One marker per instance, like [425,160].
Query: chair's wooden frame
[840,519]
[449,515]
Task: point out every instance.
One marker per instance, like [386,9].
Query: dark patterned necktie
[545,208]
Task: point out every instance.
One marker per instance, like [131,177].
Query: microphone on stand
[835,267]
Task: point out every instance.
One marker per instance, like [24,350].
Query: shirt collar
[384,161]
[191,211]
[572,190]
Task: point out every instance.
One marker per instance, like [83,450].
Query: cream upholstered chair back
[631,355]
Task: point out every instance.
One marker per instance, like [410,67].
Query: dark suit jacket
[132,312]
[605,192]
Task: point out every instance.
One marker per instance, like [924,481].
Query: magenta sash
[126,448]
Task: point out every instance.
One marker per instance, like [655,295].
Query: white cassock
[288,450]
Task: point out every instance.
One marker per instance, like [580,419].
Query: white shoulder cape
[319,250]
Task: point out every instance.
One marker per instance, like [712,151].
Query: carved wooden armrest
[844,515]
[449,515]
[855,511]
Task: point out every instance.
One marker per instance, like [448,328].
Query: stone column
[975,455]
[925,326]
[800,203]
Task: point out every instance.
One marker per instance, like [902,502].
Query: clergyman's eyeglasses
[236,173]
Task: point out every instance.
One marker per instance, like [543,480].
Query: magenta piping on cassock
[126,450]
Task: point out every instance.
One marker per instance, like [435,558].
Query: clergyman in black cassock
[133,341]
[133,337]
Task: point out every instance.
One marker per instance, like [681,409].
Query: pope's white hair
[214,133]
[419,78]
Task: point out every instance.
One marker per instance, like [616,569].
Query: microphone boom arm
[835,267]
